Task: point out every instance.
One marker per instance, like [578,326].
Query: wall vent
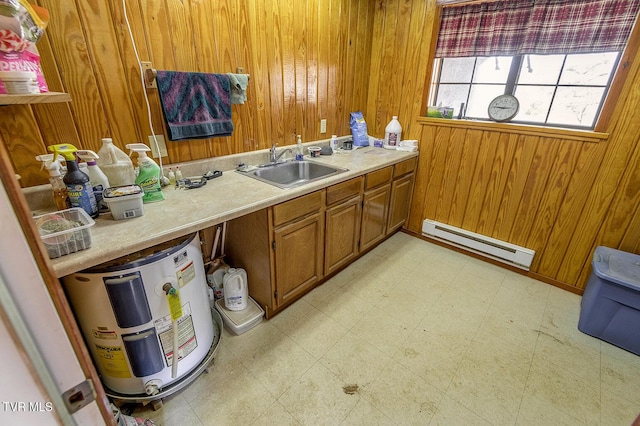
[500,250]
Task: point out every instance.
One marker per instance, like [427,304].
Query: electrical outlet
[323,125]
[161,144]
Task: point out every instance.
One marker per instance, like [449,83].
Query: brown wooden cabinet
[401,191]
[342,224]
[375,207]
[298,258]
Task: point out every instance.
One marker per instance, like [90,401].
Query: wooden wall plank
[464,177]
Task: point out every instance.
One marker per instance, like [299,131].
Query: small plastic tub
[20,82]
[125,202]
[65,231]
[314,151]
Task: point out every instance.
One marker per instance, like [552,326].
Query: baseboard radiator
[512,254]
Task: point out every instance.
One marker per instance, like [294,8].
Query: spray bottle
[60,197]
[99,181]
[149,174]
[115,164]
[78,183]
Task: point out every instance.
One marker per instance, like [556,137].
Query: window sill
[521,129]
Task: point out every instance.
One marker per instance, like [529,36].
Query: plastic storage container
[20,82]
[610,308]
[65,231]
[240,321]
[125,202]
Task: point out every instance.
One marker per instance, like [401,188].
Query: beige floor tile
[369,288]
[175,411]
[355,361]
[425,288]
[241,399]
[536,412]
[253,340]
[276,415]
[319,398]
[451,413]
[451,331]
[322,293]
[563,324]
[571,394]
[461,304]
[522,295]
[365,414]
[403,396]
[480,283]
[381,331]
[515,328]
[621,377]
[432,359]
[491,379]
[569,355]
[617,411]
[277,372]
[317,333]
[346,308]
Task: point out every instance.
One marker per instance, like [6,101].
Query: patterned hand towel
[195,105]
[239,84]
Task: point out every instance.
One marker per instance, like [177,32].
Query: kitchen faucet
[273,157]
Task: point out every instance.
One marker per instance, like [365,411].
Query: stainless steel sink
[293,173]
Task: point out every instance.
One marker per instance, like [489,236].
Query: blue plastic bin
[610,307]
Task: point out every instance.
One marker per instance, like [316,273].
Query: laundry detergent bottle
[148,174]
[115,164]
[79,187]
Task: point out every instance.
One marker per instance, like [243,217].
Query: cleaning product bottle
[299,153]
[78,183]
[392,133]
[149,174]
[172,177]
[178,173]
[60,196]
[115,164]
[99,181]
[334,143]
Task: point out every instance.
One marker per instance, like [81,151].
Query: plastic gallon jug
[235,289]
[115,164]
[392,133]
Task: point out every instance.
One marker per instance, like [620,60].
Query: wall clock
[503,108]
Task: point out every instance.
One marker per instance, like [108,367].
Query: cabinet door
[400,199]
[375,210]
[342,229]
[298,257]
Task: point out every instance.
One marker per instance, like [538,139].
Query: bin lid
[618,266]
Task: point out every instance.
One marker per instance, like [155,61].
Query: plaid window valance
[518,27]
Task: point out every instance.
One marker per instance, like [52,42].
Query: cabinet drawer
[344,190]
[379,177]
[407,166]
[298,207]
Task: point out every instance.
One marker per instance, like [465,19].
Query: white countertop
[221,199]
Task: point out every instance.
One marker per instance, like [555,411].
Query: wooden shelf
[37,98]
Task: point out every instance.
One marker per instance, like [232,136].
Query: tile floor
[413,333]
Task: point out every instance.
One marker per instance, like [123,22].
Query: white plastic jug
[115,164]
[235,289]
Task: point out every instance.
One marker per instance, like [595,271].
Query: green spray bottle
[148,174]
[79,187]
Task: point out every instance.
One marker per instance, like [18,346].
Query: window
[554,90]
[558,57]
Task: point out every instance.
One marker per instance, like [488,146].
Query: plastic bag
[359,129]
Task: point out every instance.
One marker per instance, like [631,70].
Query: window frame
[614,99]
[513,82]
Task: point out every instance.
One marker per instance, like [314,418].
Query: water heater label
[186,274]
[187,342]
[112,361]
[104,334]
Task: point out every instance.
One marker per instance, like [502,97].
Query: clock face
[503,108]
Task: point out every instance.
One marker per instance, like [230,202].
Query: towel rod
[150,75]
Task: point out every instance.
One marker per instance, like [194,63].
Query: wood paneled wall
[308,60]
[561,194]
